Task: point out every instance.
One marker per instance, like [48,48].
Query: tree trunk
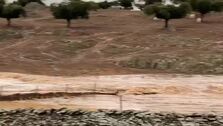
[8,22]
[166,23]
[68,23]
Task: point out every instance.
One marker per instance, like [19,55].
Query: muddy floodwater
[161,92]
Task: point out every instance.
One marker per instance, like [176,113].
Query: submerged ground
[146,92]
[111,42]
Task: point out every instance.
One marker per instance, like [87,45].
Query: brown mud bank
[153,92]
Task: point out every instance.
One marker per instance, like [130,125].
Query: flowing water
[49,2]
[154,92]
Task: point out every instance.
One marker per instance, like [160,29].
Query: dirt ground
[99,45]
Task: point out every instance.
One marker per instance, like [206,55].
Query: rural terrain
[111,42]
[118,60]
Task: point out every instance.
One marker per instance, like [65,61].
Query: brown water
[163,92]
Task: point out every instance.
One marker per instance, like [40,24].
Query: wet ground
[166,92]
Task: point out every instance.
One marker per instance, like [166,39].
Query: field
[111,42]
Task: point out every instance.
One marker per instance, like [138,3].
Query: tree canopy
[70,11]
[2,2]
[11,11]
[126,3]
[217,6]
[104,5]
[168,12]
[206,6]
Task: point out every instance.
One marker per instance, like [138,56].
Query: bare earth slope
[111,42]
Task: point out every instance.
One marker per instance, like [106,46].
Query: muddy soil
[163,92]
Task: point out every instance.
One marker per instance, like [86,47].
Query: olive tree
[104,5]
[70,11]
[206,6]
[126,3]
[11,11]
[168,12]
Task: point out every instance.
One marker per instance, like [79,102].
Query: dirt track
[177,93]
